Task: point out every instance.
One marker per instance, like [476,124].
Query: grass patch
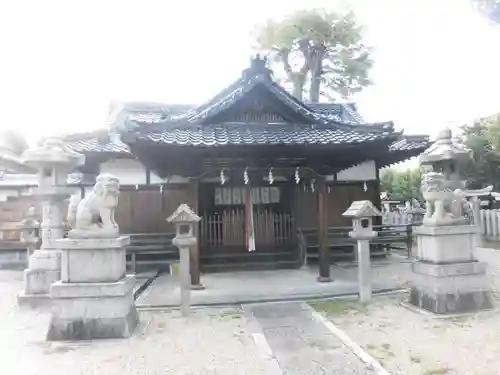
[338,307]
[332,307]
[439,371]
[227,314]
[380,352]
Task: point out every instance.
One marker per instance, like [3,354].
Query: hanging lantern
[297,176]
[312,185]
[365,188]
[245,176]
[161,189]
[222,177]
[271,177]
[329,189]
[136,187]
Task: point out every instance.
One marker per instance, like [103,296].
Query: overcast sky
[62,62]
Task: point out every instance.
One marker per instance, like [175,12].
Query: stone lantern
[362,213]
[447,278]
[30,228]
[445,156]
[53,162]
[184,220]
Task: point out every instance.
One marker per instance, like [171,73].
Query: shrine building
[254,162]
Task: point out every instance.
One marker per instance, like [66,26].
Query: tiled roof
[238,134]
[99,143]
[259,76]
[314,124]
[343,112]
[227,135]
[410,142]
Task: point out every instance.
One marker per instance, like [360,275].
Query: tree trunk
[315,62]
[315,87]
[298,80]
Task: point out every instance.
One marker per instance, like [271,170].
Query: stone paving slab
[301,344]
[260,286]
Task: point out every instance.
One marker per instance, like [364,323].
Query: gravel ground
[212,341]
[410,343]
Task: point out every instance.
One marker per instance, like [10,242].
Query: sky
[63,62]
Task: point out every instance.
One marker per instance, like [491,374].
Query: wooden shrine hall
[255,163]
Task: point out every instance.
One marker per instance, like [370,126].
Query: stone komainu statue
[94,215]
[444,205]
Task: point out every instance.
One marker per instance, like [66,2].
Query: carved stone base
[85,311]
[446,244]
[93,260]
[93,233]
[39,281]
[450,288]
[33,300]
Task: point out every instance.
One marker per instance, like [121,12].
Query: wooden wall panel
[146,211]
[340,196]
[123,214]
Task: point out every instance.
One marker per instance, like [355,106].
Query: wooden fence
[396,218]
[227,229]
[490,224]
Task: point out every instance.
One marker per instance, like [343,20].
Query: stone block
[45,260]
[452,303]
[85,311]
[450,269]
[38,281]
[450,288]
[446,244]
[93,260]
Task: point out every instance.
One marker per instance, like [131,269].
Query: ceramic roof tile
[211,135]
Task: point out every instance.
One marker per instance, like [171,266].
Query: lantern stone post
[53,162]
[30,227]
[184,220]
[362,213]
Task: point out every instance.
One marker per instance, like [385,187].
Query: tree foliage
[483,139]
[489,8]
[401,185]
[320,51]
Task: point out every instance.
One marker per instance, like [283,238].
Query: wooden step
[250,266]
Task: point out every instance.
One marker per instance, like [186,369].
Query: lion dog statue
[94,215]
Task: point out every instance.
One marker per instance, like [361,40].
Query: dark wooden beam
[195,249]
[376,199]
[324,251]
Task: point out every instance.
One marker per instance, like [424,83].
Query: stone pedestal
[446,278]
[94,298]
[44,264]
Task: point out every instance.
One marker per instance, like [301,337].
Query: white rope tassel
[297,176]
[271,177]
[365,188]
[245,176]
[222,177]
[312,185]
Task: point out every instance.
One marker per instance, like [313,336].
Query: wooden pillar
[324,251]
[195,250]
[377,202]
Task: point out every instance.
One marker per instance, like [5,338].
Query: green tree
[320,51]
[401,185]
[489,8]
[483,139]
